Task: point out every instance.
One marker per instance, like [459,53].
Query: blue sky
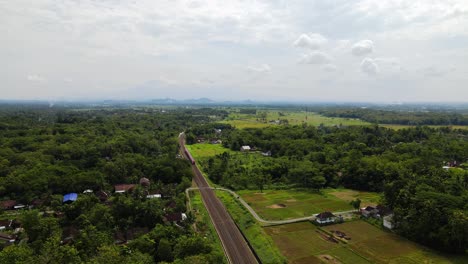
[330,50]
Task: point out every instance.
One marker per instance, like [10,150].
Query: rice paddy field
[307,243]
[287,204]
[348,195]
[294,118]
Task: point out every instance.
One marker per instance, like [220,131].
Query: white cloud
[329,68]
[35,78]
[363,47]
[369,66]
[264,68]
[312,41]
[316,57]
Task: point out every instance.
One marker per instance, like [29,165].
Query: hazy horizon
[385,51]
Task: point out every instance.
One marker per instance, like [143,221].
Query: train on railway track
[189,156]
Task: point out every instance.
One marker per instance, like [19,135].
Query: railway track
[235,246]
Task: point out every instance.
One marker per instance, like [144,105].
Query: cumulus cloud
[363,47]
[35,78]
[329,67]
[311,41]
[316,57]
[369,66]
[264,68]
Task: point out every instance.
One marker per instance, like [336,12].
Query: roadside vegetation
[203,224]
[263,245]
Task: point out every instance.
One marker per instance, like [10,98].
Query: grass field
[286,204]
[263,245]
[303,243]
[205,150]
[294,118]
[347,195]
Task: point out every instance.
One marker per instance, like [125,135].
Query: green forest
[46,153]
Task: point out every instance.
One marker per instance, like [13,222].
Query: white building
[388,221]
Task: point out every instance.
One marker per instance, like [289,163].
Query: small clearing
[276,206]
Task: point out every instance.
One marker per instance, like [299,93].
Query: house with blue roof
[69,198]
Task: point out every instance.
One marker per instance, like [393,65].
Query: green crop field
[206,150]
[286,204]
[304,243]
[293,117]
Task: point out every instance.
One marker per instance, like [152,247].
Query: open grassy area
[203,224]
[263,245]
[304,243]
[347,195]
[286,204]
[293,117]
[205,150]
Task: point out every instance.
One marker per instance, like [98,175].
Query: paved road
[273,222]
[234,244]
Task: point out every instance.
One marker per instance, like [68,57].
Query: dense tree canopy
[46,153]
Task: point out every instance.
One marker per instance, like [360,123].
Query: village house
[153,194]
[325,218]
[69,198]
[266,154]
[102,195]
[175,217]
[368,211]
[8,204]
[122,188]
[382,210]
[216,141]
[245,148]
[8,238]
[5,224]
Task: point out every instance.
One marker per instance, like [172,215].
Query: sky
[288,50]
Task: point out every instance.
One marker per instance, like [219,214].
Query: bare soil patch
[329,259]
[276,206]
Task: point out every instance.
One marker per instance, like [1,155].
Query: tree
[164,252]
[356,203]
[20,254]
